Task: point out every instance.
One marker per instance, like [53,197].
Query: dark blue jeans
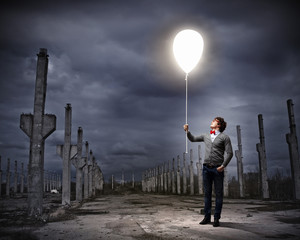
[210,176]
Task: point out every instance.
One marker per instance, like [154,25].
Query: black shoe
[205,220]
[216,223]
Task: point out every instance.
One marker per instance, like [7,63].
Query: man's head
[218,123]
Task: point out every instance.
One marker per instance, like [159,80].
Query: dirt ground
[148,216]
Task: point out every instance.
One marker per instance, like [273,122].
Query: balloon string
[186,100]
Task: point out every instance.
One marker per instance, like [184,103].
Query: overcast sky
[113,61]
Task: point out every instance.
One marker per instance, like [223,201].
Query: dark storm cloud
[112,61]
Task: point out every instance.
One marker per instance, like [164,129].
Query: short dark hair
[222,124]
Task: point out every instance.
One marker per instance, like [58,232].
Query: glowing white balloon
[187,49]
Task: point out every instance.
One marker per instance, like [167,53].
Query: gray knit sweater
[214,151]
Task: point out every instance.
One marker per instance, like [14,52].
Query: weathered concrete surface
[150,216]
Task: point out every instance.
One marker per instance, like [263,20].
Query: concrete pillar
[45,180]
[192,191]
[123,180]
[261,149]
[173,177]
[91,174]
[165,178]
[199,172]
[22,179]
[157,179]
[292,141]
[169,177]
[8,178]
[162,178]
[16,178]
[178,176]
[112,182]
[38,127]
[86,172]
[152,182]
[79,162]
[226,189]
[184,177]
[239,159]
[132,180]
[66,152]
[0,177]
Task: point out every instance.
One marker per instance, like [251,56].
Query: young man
[216,144]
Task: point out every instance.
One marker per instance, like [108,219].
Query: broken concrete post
[132,184]
[239,159]
[261,149]
[173,177]
[162,178]
[112,182]
[169,177]
[8,178]
[165,178]
[91,174]
[178,175]
[99,180]
[123,180]
[292,141]
[0,178]
[152,182]
[16,178]
[226,189]
[86,172]
[45,180]
[22,179]
[66,152]
[157,179]
[192,192]
[199,171]
[184,177]
[38,127]
[79,163]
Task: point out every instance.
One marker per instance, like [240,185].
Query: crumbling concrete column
[112,182]
[261,149]
[184,177]
[86,172]
[123,180]
[165,178]
[292,141]
[66,152]
[199,172]
[45,180]
[38,127]
[173,177]
[152,179]
[239,159]
[162,178]
[94,164]
[169,177]
[22,179]
[0,178]
[226,189]
[91,174]
[16,178]
[132,184]
[79,163]
[178,175]
[192,192]
[157,179]
[8,178]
